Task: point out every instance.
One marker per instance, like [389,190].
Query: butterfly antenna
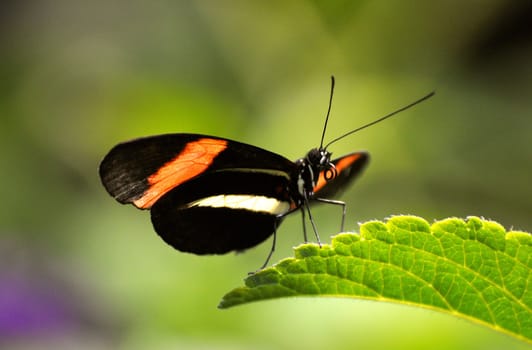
[380,119]
[328,112]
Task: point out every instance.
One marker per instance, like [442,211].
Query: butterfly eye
[330,173]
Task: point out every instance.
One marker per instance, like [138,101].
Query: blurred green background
[78,270]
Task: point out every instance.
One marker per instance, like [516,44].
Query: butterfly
[212,195]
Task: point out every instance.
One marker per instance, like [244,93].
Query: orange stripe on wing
[342,164]
[192,161]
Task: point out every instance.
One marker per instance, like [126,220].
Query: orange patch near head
[192,161]
[340,166]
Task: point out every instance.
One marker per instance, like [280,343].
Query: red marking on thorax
[192,161]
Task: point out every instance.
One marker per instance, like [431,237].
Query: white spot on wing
[244,201]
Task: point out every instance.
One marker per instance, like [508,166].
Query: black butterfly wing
[348,168]
[223,211]
[141,171]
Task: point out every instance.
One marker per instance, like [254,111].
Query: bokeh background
[78,270]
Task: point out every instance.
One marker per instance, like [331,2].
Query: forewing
[348,168]
[141,171]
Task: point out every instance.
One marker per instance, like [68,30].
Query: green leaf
[470,268]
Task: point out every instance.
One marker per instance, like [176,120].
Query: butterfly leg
[278,220]
[307,206]
[335,202]
[272,249]
[305,238]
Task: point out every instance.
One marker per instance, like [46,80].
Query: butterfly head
[320,161]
